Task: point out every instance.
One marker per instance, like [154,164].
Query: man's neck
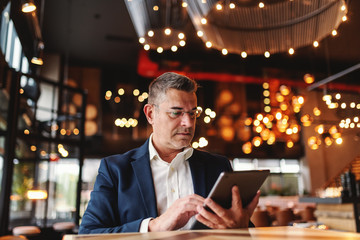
[168,155]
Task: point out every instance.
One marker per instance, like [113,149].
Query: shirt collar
[153,154]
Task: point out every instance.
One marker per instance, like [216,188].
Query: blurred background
[278,82]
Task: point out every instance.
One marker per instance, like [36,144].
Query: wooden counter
[264,233]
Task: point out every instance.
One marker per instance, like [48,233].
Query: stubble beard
[182,137]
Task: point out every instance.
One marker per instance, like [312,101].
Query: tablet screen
[248,182]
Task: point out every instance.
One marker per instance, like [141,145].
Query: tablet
[248,182]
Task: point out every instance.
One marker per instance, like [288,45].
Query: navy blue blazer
[124,193]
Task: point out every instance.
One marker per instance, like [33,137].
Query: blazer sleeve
[102,214]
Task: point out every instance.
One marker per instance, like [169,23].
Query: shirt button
[172,190]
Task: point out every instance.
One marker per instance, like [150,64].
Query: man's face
[173,130]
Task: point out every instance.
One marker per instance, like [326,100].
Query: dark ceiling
[100,33]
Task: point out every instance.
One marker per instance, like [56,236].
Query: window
[90,171]
[1,159]
[284,176]
[62,176]
[10,43]
[5,18]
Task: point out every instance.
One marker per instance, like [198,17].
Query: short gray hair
[159,86]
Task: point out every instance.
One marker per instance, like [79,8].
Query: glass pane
[25,65]
[1,160]
[90,171]
[243,164]
[60,177]
[46,102]
[291,185]
[5,17]
[9,42]
[290,166]
[272,164]
[20,205]
[17,54]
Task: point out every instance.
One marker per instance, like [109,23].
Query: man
[161,185]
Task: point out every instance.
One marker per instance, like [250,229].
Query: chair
[63,228]
[308,214]
[12,237]
[284,217]
[261,218]
[30,232]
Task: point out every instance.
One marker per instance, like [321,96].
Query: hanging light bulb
[28,6]
[267,54]
[37,58]
[291,51]
[309,78]
[167,31]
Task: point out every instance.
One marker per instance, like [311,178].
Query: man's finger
[236,197]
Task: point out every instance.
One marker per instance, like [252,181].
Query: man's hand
[234,217]
[178,214]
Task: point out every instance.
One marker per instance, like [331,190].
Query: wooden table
[264,233]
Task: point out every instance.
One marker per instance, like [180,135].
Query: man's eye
[176,113]
[192,114]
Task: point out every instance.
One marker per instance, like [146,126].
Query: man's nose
[186,119]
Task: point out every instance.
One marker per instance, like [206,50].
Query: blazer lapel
[197,167]
[145,181]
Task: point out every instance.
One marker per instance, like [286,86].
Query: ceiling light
[182,43]
[147,47]
[291,51]
[316,44]
[309,78]
[174,48]
[326,97]
[37,61]
[153,27]
[224,51]
[339,141]
[167,31]
[275,34]
[344,18]
[28,6]
[243,54]
[159,49]
[141,40]
[200,33]
[150,33]
[334,32]
[267,54]
[208,44]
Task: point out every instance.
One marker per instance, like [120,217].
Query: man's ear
[149,112]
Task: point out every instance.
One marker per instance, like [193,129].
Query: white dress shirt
[171,181]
